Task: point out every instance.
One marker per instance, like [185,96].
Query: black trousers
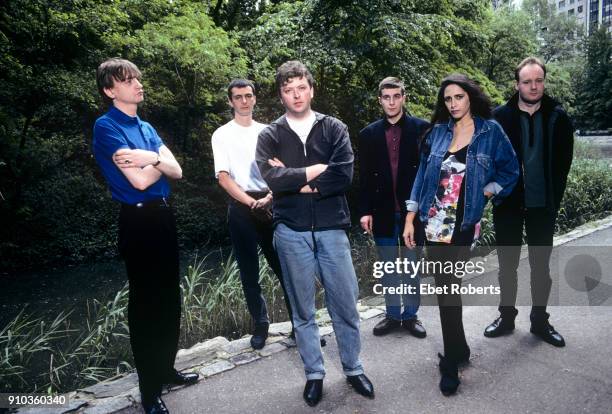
[148,244]
[539,225]
[449,303]
[247,232]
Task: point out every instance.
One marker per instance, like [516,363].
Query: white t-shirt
[302,127]
[234,152]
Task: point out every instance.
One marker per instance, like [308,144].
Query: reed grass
[214,304]
[61,355]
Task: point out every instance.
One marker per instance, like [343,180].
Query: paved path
[512,374]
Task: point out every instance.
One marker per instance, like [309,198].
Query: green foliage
[558,34]
[510,39]
[55,356]
[22,340]
[186,63]
[351,46]
[588,195]
[595,88]
[214,304]
[54,207]
[561,85]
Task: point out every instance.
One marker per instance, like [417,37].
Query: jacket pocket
[484,166]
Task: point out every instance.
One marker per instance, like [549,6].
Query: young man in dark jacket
[542,136]
[388,162]
[307,160]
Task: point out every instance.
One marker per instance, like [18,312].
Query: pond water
[47,292]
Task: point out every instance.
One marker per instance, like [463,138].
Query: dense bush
[588,195]
[54,208]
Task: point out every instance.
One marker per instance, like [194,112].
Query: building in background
[499,3]
[590,13]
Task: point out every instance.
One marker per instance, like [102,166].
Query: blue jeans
[390,249]
[326,255]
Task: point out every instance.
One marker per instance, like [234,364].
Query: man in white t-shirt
[249,215]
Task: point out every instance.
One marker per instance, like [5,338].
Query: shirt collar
[121,117]
[399,123]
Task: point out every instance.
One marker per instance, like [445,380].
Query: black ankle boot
[449,382]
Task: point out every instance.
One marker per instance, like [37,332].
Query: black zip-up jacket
[558,137]
[328,143]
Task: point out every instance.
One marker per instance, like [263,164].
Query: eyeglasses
[388,98]
[247,96]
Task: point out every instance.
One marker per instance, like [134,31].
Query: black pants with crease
[148,244]
[539,225]
[449,303]
[247,232]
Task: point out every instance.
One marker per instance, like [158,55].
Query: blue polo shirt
[116,130]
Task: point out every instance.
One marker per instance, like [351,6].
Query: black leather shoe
[361,384]
[260,334]
[415,327]
[178,378]
[548,334]
[499,327]
[313,391]
[449,381]
[385,326]
[154,406]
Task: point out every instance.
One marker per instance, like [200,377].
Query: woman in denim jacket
[466,159]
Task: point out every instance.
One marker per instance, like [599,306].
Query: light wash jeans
[389,250]
[304,256]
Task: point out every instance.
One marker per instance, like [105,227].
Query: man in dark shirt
[388,162]
[136,165]
[542,136]
[307,160]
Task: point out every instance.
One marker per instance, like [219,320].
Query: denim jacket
[491,165]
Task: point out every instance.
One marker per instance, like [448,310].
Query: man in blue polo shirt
[136,165]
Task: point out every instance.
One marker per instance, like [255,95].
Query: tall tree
[594,99]
[510,39]
[559,34]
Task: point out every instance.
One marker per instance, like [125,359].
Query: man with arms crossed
[250,222]
[542,136]
[389,159]
[307,160]
[137,165]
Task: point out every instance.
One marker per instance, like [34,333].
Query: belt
[257,194]
[149,204]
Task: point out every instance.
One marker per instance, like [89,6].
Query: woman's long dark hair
[480,104]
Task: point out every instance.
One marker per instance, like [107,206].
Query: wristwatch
[158,161]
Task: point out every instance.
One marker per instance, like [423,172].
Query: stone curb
[208,358]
